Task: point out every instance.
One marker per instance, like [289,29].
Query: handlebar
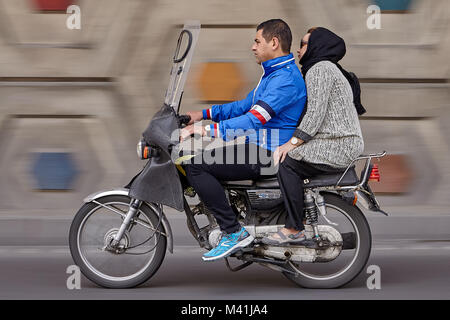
[184,119]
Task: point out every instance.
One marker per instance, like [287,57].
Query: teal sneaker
[229,243]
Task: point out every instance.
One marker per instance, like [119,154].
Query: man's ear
[276,43]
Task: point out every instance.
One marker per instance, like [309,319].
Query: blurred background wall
[73,103]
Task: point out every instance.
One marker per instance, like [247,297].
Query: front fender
[124,192]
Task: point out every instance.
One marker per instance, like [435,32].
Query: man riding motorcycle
[268,117]
[119,236]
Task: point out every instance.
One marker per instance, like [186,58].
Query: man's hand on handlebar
[189,130]
[195,116]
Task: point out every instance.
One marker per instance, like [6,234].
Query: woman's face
[303,45]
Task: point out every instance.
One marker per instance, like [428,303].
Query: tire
[363,247]
[82,218]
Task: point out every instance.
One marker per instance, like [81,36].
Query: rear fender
[368,201]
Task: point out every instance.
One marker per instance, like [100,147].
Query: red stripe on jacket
[259,116]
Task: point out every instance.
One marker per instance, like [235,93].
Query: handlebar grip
[184,119]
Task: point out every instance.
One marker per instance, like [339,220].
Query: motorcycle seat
[322,180]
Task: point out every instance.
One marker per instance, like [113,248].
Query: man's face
[303,45]
[262,49]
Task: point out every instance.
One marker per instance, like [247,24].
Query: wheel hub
[121,246]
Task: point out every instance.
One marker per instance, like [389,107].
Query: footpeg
[240,267]
[242,251]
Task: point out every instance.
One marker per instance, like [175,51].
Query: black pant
[291,174]
[237,162]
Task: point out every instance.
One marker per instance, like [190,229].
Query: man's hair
[279,29]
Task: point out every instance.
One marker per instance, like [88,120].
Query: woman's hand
[189,130]
[280,153]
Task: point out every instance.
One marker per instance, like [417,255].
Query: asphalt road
[411,247]
[410,269]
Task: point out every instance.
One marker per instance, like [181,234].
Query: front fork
[134,208]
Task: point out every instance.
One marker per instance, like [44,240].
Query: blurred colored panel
[396,175]
[54,170]
[393,5]
[52,5]
[220,81]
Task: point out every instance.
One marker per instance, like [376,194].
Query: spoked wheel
[357,242]
[138,255]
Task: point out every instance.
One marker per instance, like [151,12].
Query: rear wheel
[353,227]
[143,245]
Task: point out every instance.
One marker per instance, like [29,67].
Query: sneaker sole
[241,244]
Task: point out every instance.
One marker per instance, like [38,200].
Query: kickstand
[242,266]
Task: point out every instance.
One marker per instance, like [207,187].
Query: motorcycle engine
[264,199]
[214,237]
[252,207]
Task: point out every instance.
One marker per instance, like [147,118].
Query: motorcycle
[119,237]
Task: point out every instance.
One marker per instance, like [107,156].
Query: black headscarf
[324,45]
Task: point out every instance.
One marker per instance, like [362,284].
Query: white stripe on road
[414,248]
[61,250]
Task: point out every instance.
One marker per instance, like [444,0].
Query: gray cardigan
[330,128]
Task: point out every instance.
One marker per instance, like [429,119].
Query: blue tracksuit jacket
[268,115]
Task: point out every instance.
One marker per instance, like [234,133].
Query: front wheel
[142,248]
[353,226]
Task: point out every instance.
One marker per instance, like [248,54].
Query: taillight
[374,173]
